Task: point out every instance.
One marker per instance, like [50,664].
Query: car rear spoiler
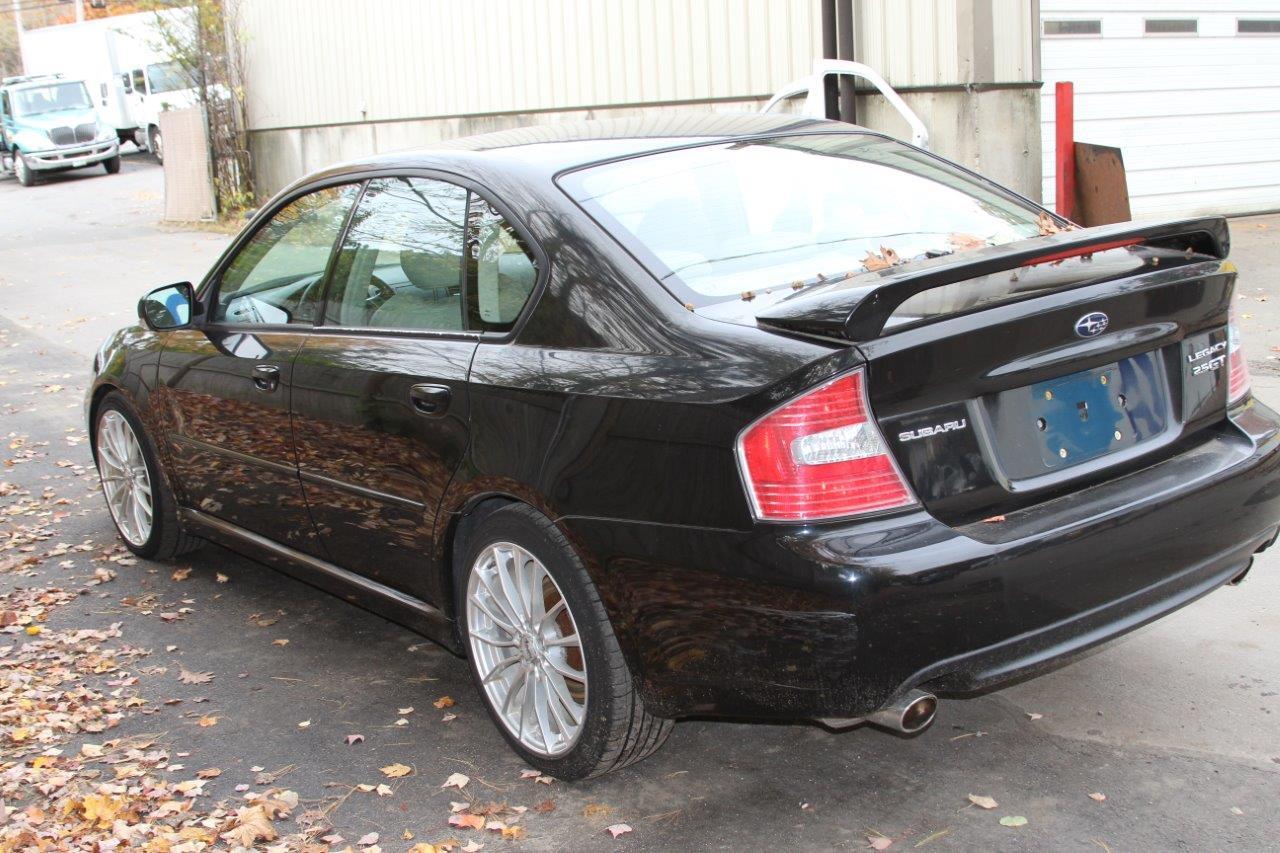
[858,307]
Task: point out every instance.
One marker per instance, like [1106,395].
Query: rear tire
[615,728]
[26,175]
[124,451]
[112,165]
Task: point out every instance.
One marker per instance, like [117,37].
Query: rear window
[715,221]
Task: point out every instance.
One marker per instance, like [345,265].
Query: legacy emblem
[1092,325]
[936,429]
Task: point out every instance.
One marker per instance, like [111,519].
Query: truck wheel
[26,175]
[112,165]
[155,144]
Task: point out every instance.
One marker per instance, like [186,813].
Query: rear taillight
[1238,386]
[820,456]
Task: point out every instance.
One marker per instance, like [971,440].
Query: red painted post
[1065,161]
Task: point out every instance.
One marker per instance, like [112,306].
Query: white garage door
[1192,97]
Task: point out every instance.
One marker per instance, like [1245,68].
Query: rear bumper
[835,621]
[73,156]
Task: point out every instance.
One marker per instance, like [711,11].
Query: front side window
[402,260]
[715,222]
[276,276]
[139,81]
[168,77]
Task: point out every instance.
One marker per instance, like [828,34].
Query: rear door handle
[430,400]
[266,377]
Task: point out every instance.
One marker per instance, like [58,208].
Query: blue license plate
[1099,411]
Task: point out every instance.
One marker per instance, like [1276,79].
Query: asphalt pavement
[1177,726]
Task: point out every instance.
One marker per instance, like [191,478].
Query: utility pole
[17,25]
[79,11]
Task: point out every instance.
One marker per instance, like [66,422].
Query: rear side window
[427,255]
[401,263]
[502,272]
[717,222]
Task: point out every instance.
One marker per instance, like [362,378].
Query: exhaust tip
[910,714]
[919,713]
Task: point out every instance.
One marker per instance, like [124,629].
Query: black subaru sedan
[735,416]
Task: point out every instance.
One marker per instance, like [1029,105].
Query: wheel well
[460,529]
[99,395]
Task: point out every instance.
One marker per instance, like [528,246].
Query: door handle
[266,377]
[430,400]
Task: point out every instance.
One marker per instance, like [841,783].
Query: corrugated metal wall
[323,62]
[1197,116]
[930,42]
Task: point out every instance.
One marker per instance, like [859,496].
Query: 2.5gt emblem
[1092,325]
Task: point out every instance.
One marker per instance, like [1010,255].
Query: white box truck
[122,60]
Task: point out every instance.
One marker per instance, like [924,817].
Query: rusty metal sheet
[1102,192]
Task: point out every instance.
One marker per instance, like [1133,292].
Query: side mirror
[169,307]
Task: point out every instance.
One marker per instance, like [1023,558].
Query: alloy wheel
[526,648]
[125,480]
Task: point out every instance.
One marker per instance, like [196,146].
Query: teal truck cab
[48,123]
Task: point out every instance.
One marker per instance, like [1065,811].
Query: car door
[380,403]
[224,385]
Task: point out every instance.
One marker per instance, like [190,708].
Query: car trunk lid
[1012,374]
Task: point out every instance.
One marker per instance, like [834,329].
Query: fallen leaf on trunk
[618,829]
[395,771]
[466,821]
[879,842]
[443,702]
[1098,797]
[352,740]
[983,802]
[1013,820]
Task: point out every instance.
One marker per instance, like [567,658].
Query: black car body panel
[614,410]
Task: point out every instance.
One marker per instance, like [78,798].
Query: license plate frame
[1097,412]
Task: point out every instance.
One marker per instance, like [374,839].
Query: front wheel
[155,144]
[543,652]
[26,175]
[138,497]
[112,165]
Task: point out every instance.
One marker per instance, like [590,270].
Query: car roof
[552,148]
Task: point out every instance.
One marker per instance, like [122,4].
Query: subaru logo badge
[1092,325]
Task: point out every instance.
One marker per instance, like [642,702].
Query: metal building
[327,80]
[1189,90]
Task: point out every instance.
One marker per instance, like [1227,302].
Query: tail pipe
[911,713]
